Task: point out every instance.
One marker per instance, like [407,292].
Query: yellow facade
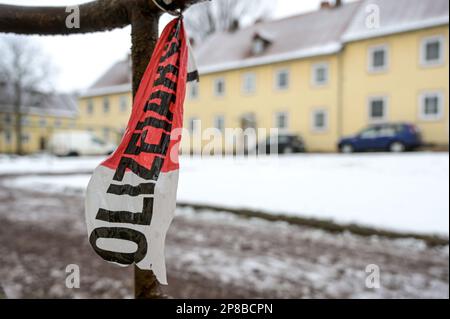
[343,99]
[404,81]
[107,122]
[36,131]
[298,101]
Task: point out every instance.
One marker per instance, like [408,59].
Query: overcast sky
[81,59]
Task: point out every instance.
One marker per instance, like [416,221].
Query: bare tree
[225,15]
[25,69]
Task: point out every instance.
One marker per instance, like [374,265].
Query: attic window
[259,44]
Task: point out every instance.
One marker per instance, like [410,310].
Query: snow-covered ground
[46,163]
[405,192]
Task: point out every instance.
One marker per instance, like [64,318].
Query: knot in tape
[168,6]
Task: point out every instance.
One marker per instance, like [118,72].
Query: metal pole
[144,23]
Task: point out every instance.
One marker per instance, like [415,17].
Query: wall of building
[402,83]
[108,124]
[344,97]
[298,101]
[36,131]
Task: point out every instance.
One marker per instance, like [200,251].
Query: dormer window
[259,44]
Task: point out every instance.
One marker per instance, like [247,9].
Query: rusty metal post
[144,34]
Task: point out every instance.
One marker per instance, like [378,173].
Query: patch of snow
[404,192]
[44,163]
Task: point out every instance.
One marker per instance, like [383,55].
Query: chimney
[325,5]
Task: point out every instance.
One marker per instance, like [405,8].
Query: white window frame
[249,77]
[8,119]
[370,58]
[217,119]
[194,125]
[216,92]
[276,118]
[123,103]
[25,138]
[385,117]
[277,74]
[106,102]
[194,87]
[422,105]
[315,67]
[315,128]
[43,122]
[25,120]
[8,137]
[423,50]
[90,106]
[258,46]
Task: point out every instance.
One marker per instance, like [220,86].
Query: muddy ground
[209,255]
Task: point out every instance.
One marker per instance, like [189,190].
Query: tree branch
[100,15]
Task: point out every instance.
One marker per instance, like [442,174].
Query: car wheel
[397,147]
[347,149]
[73,154]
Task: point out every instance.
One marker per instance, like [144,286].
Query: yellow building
[106,106]
[41,116]
[322,75]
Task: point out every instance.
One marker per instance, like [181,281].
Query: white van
[78,143]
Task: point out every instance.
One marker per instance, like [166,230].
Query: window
[194,125]
[219,87]
[194,90]
[431,106]
[369,133]
[219,123]
[432,51]
[25,138]
[106,105]
[90,107]
[25,120]
[281,121]
[319,120]
[106,133]
[377,109]
[378,58]
[123,103]
[249,83]
[8,118]
[320,74]
[8,137]
[282,80]
[58,123]
[43,122]
[258,46]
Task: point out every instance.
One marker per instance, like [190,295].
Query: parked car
[78,143]
[384,137]
[283,144]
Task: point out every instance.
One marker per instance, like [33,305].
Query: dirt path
[209,255]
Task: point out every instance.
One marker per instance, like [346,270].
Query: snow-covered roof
[39,103]
[395,17]
[322,32]
[116,80]
[310,34]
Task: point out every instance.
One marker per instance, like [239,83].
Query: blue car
[383,137]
